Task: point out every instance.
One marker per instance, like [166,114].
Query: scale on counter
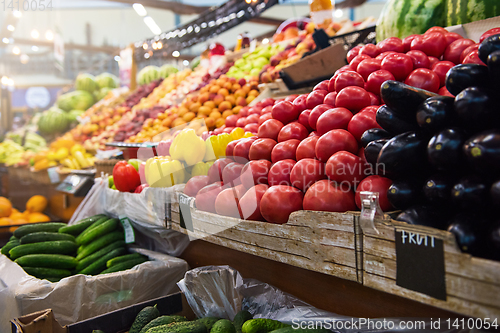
[78,185]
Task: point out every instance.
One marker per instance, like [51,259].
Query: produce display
[33,213]
[52,251]
[68,153]
[13,154]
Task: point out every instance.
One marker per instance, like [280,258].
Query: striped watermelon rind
[148,74]
[465,11]
[106,80]
[53,121]
[85,82]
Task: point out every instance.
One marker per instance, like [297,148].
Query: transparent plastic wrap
[221,291]
[80,297]
[146,211]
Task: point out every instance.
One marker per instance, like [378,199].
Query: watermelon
[401,18]
[53,121]
[73,115]
[75,100]
[148,74]
[100,94]
[166,70]
[106,80]
[465,11]
[85,82]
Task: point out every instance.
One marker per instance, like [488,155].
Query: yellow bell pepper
[164,172]
[51,155]
[219,144]
[188,147]
[77,147]
[61,153]
[201,169]
[237,133]
[210,143]
[248,135]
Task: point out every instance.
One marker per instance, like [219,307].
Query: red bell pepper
[126,177]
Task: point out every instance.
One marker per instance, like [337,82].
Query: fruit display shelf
[130,149]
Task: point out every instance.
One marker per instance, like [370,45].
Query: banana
[81,159]
[68,163]
[75,163]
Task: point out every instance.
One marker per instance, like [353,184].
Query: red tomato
[376,79]
[264,117]
[433,61]
[352,98]
[300,102]
[285,112]
[361,122]
[374,100]
[400,65]
[494,31]
[251,119]
[284,150]
[270,129]
[255,172]
[473,58]
[451,37]
[391,44]
[306,147]
[347,79]
[370,50]
[279,174]
[279,202]
[444,92]
[423,78]
[215,171]
[432,44]
[226,203]
[441,30]
[304,119]
[323,85]
[325,196]
[467,51]
[371,108]
[293,131]
[419,58]
[205,199]
[315,98]
[242,149]
[126,177]
[315,113]
[333,119]
[334,141]
[231,174]
[353,52]
[345,167]
[355,62]
[345,68]
[195,184]
[249,204]
[381,56]
[368,66]
[375,184]
[455,49]
[330,98]
[306,172]
[407,42]
[441,69]
[261,149]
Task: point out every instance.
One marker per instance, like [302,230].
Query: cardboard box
[111,322]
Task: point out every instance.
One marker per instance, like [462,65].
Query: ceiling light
[155,29]
[197,29]
[5,80]
[49,35]
[35,34]
[10,27]
[185,63]
[265,41]
[24,59]
[139,9]
[338,13]
[159,45]
[34,48]
[175,54]
[145,46]
[117,58]
[17,13]
[5,40]
[146,55]
[16,50]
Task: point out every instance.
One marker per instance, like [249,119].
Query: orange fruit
[36,203]
[166,122]
[226,114]
[5,207]
[209,104]
[224,92]
[219,122]
[215,115]
[189,116]
[194,107]
[237,109]
[210,122]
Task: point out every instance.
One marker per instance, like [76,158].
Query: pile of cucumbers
[148,320]
[52,251]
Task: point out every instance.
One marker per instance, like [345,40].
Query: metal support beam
[266,20]
[176,7]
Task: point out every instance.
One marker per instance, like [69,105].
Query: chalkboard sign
[420,263]
[186,221]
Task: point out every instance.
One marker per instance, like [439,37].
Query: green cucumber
[96,255]
[100,243]
[143,318]
[13,238]
[80,249]
[81,225]
[123,266]
[180,327]
[55,247]
[262,325]
[44,236]
[223,326]
[47,260]
[162,320]
[124,258]
[97,266]
[38,227]
[9,246]
[88,236]
[92,226]
[42,272]
[209,322]
[240,318]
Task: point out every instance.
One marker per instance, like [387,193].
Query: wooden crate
[318,241]
[472,284]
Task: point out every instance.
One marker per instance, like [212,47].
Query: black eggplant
[424,215]
[444,150]
[494,68]
[393,122]
[436,113]
[466,75]
[372,135]
[402,98]
[372,150]
[437,189]
[471,193]
[493,241]
[488,46]
[495,193]
[403,155]
[403,194]
[475,109]
[483,152]
[469,232]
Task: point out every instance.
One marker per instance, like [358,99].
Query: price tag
[129,231]
[186,221]
[53,175]
[420,263]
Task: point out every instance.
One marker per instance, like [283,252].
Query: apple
[195,184]
[284,150]
[316,113]
[279,202]
[285,112]
[279,174]
[231,174]
[261,149]
[306,148]
[255,172]
[265,117]
[304,119]
[215,171]
[240,152]
[325,196]
[300,102]
[270,129]
[334,141]
[315,98]
[231,120]
[333,119]
[330,98]
[293,130]
[205,199]
[250,203]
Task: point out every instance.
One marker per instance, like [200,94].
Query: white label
[83,121]
[53,175]
[129,231]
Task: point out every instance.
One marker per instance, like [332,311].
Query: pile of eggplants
[443,153]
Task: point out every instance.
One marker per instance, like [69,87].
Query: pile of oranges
[216,101]
[33,213]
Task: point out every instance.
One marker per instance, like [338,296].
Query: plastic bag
[80,297]
[146,211]
[220,291]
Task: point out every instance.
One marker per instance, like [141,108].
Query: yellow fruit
[226,114]
[38,217]
[5,221]
[5,207]
[16,216]
[36,204]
